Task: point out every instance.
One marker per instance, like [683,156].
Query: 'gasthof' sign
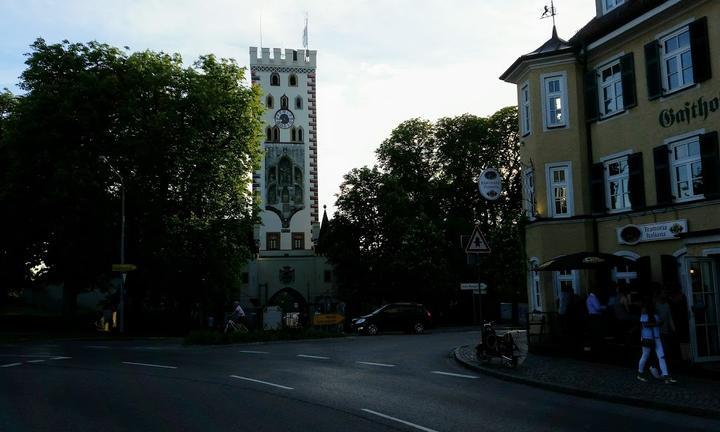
[634,234]
[698,109]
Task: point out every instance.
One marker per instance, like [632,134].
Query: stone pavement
[618,384]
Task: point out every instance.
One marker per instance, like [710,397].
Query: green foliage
[183,143]
[396,233]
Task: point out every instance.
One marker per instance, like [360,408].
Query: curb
[576,391]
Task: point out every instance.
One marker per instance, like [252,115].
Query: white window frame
[623,274]
[534,285]
[525,110]
[563,276]
[529,193]
[550,184]
[676,54]
[611,84]
[548,96]
[609,5]
[607,161]
[687,163]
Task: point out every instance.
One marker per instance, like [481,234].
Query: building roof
[553,46]
[604,24]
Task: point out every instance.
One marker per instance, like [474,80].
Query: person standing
[649,341]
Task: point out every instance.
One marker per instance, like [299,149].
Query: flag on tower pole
[305,33]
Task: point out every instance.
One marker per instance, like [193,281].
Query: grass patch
[212,337]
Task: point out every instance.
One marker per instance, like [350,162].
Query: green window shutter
[700,50]
[662,175]
[652,70]
[627,66]
[636,181]
[591,96]
[710,164]
[597,186]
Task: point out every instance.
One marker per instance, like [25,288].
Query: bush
[214,337]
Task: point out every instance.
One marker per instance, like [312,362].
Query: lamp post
[121,305]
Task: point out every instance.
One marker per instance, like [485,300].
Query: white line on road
[313,357]
[376,364]
[150,365]
[261,382]
[35,361]
[254,352]
[455,375]
[60,358]
[416,426]
[10,365]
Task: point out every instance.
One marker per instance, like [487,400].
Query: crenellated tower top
[288,58]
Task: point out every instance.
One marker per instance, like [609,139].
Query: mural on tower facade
[285,180]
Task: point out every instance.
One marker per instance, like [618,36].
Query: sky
[380,62]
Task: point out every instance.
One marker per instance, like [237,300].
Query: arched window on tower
[268,134]
[284,102]
[300,134]
[274,79]
[298,102]
[293,134]
[292,81]
[294,55]
[269,101]
[276,134]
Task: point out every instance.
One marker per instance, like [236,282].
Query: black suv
[408,317]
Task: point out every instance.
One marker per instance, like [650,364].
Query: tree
[396,232]
[183,143]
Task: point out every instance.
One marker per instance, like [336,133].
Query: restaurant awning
[583,261]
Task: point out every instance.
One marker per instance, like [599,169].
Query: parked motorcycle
[491,345]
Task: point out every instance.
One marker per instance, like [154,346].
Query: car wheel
[418,327]
[371,329]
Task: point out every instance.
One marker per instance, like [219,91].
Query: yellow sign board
[327,319]
[122,268]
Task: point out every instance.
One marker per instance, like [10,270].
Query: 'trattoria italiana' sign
[634,234]
[696,110]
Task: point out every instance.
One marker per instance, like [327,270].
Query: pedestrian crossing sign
[477,243]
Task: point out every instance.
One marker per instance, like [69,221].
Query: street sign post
[477,243]
[327,319]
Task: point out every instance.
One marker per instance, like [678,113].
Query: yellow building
[619,144]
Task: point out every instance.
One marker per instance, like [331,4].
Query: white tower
[287,182]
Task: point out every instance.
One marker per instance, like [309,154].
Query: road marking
[376,364]
[416,426]
[261,382]
[150,365]
[10,365]
[313,357]
[255,352]
[35,361]
[60,358]
[455,375]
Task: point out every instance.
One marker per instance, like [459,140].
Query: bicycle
[233,326]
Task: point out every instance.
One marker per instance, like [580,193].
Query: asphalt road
[382,383]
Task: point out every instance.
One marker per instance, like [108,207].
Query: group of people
[660,318]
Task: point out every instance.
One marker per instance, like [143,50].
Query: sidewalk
[617,384]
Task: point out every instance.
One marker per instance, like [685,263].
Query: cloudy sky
[379,61]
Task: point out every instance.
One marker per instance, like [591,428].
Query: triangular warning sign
[477,243]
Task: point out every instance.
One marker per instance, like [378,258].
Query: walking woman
[650,340]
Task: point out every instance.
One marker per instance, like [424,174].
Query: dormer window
[274,79]
[609,5]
